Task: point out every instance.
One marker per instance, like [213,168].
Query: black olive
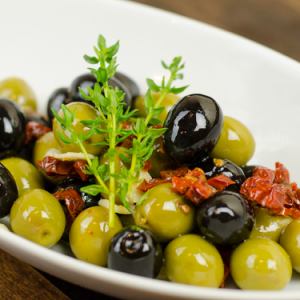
[248,170]
[135,251]
[193,128]
[8,191]
[225,219]
[57,98]
[87,80]
[12,128]
[227,168]
[129,83]
[83,82]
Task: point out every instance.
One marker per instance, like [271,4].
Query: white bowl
[44,41]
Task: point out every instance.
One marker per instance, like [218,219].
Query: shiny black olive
[248,170]
[193,128]
[83,82]
[8,191]
[87,80]
[134,250]
[129,83]
[227,168]
[225,219]
[12,128]
[57,98]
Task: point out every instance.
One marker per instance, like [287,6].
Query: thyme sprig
[112,113]
[144,132]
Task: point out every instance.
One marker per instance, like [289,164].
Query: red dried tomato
[34,130]
[195,187]
[147,185]
[73,202]
[55,167]
[273,190]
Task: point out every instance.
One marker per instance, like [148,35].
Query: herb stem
[86,155]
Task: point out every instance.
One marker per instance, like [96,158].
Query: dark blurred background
[274,23]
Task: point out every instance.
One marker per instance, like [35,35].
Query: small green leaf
[93,189]
[152,85]
[91,59]
[178,90]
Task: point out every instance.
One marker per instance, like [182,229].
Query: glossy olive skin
[135,251]
[227,168]
[82,111]
[38,216]
[18,90]
[45,146]
[12,128]
[192,260]
[260,264]
[225,219]
[267,225]
[87,80]
[57,98]
[168,102]
[289,240]
[193,128]
[26,176]
[90,235]
[8,191]
[165,213]
[236,142]
[129,83]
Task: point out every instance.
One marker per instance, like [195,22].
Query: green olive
[260,264]
[26,175]
[290,241]
[236,142]
[192,260]
[267,225]
[45,146]
[90,235]
[167,104]
[82,111]
[19,91]
[165,213]
[38,216]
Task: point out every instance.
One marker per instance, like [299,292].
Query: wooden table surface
[275,23]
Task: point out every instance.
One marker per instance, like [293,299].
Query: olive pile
[166,235]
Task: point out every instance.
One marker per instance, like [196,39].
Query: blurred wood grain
[275,23]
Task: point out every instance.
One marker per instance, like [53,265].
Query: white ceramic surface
[43,42]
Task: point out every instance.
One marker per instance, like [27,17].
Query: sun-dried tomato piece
[192,184]
[73,202]
[55,167]
[147,185]
[195,187]
[168,174]
[273,190]
[147,166]
[220,182]
[34,130]
[79,167]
